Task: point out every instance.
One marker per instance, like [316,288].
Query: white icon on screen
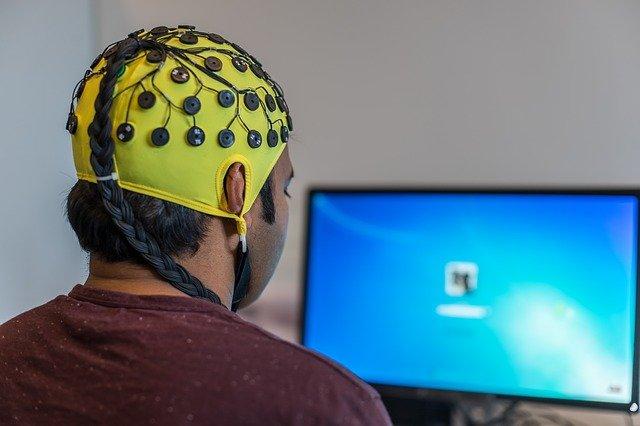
[460,278]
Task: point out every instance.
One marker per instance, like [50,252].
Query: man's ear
[234,188]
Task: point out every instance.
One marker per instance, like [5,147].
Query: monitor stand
[407,411]
[455,411]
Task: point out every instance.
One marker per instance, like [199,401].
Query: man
[177,134]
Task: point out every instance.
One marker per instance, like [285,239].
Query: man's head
[182,232]
[175,126]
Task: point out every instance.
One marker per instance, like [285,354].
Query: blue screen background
[552,315]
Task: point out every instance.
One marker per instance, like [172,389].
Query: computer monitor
[520,293]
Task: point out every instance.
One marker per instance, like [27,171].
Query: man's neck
[127,277]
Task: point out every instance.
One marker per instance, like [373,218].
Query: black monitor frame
[440,394]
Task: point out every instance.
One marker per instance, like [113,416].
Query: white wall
[44,49]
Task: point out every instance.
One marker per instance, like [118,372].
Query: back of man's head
[177,134]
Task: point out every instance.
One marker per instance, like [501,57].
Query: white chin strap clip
[112,176]
[243,241]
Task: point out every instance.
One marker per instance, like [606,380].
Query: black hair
[268,206]
[178,230]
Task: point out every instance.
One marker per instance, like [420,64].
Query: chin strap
[243,274]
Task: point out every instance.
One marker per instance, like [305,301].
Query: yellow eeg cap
[182,113]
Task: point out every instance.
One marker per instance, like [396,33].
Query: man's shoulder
[321,388]
[302,362]
[23,319]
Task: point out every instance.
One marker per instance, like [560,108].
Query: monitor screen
[519,294]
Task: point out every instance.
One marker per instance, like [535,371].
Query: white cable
[243,241]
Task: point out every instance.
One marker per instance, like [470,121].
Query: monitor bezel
[434,393]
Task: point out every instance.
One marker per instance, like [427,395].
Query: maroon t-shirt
[98,356]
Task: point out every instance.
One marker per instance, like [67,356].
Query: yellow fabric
[192,176]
